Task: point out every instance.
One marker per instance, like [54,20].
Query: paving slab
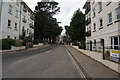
[93,68]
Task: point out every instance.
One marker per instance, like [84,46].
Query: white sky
[67,9]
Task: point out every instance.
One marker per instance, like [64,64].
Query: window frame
[110,18]
[113,44]
[117,13]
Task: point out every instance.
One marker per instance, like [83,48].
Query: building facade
[102,23]
[15,19]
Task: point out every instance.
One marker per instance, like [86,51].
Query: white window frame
[117,13]
[112,44]
[110,17]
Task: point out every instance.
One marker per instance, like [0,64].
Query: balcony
[88,21]
[24,20]
[88,33]
[87,10]
[25,10]
[31,25]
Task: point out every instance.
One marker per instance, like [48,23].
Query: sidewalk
[93,68]
[24,50]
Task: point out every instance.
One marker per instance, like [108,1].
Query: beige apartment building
[102,23]
[16,18]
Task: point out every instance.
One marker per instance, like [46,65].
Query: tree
[76,30]
[45,25]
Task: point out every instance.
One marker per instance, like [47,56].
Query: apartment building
[102,23]
[27,20]
[16,18]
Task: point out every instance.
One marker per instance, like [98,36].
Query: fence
[101,48]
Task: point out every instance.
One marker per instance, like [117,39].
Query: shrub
[18,43]
[10,41]
[5,44]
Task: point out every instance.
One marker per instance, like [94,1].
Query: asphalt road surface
[49,62]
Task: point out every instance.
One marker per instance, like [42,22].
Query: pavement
[92,68]
[52,61]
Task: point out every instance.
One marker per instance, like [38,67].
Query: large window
[110,17]
[115,43]
[118,13]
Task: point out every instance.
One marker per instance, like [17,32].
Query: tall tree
[45,25]
[76,30]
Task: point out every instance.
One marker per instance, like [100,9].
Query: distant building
[103,22]
[16,18]
[45,0]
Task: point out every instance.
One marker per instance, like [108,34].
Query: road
[51,61]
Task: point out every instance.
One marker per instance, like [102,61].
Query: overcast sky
[67,9]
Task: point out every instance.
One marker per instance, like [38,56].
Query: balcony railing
[24,20]
[31,25]
[88,33]
[88,21]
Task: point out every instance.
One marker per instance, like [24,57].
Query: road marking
[76,66]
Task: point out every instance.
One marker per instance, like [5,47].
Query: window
[101,23]
[10,9]
[101,42]
[118,13]
[115,43]
[15,38]
[100,6]
[16,13]
[27,30]
[110,17]
[94,42]
[23,29]
[15,25]
[8,36]
[9,22]
[94,27]
[93,12]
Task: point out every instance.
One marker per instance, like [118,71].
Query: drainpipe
[0,18]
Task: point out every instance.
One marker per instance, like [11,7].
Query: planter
[17,48]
